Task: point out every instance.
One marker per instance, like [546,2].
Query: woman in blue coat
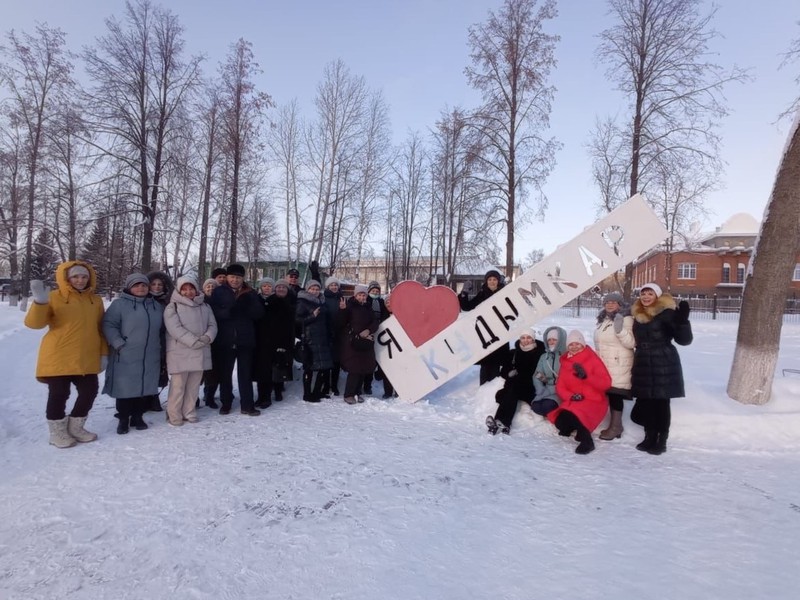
[132,328]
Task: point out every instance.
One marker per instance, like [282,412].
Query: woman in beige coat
[613,341]
[191,328]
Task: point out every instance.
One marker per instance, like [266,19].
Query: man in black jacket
[236,307]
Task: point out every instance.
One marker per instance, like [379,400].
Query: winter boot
[76,430]
[307,396]
[649,441]
[122,427]
[586,444]
[59,436]
[661,443]
[335,380]
[614,430]
[154,403]
[210,402]
[278,395]
[350,399]
[137,422]
[492,425]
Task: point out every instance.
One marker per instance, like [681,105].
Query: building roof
[740,224]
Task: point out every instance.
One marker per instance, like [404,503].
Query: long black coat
[236,315]
[275,330]
[657,371]
[356,318]
[332,304]
[317,333]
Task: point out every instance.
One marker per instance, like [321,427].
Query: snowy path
[387,500]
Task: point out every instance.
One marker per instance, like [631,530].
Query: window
[796,276]
[687,271]
[726,273]
[740,273]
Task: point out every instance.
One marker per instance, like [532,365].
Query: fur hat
[576,336]
[182,281]
[77,270]
[373,284]
[210,281]
[613,297]
[330,281]
[134,278]
[219,271]
[653,286]
[361,288]
[235,270]
[312,282]
[282,282]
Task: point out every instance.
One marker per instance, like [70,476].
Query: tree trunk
[764,300]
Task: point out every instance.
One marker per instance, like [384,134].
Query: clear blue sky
[415,51]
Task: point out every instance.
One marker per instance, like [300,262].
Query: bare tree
[512,58]
[287,151]
[12,192]
[333,142]
[658,55]
[36,72]
[790,57]
[140,80]
[243,112]
[208,121]
[766,284]
[410,202]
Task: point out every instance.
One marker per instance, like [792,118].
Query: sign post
[600,250]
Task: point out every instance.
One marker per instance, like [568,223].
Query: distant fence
[702,308]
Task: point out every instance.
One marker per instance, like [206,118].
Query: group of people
[575,386]
[187,336]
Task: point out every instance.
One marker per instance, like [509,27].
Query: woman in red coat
[582,383]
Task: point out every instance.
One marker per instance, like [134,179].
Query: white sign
[626,233]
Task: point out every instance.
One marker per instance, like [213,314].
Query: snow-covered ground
[389,500]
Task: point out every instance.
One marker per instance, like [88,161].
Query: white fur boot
[76,430]
[59,436]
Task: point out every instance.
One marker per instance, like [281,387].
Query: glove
[579,371]
[205,339]
[40,294]
[618,321]
[682,314]
[103,363]
[280,349]
[576,397]
[512,373]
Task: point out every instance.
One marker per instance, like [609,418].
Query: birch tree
[512,57]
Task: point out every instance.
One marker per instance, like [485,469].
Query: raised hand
[38,291]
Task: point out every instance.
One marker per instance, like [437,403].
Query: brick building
[716,265]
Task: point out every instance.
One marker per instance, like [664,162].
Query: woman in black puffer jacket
[312,315]
[357,324]
[657,375]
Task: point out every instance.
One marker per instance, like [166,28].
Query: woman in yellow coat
[73,351]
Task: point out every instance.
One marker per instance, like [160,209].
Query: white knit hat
[575,336]
[655,287]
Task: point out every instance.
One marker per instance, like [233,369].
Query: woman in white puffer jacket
[614,343]
[191,327]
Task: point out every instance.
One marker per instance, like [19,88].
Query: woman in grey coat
[132,328]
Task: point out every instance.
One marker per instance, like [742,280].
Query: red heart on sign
[424,312]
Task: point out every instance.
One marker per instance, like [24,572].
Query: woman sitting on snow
[582,383]
[519,382]
[546,374]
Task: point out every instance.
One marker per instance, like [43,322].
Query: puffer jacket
[523,364]
[317,331]
[550,362]
[132,327]
[615,350]
[74,341]
[657,371]
[592,408]
[186,321]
